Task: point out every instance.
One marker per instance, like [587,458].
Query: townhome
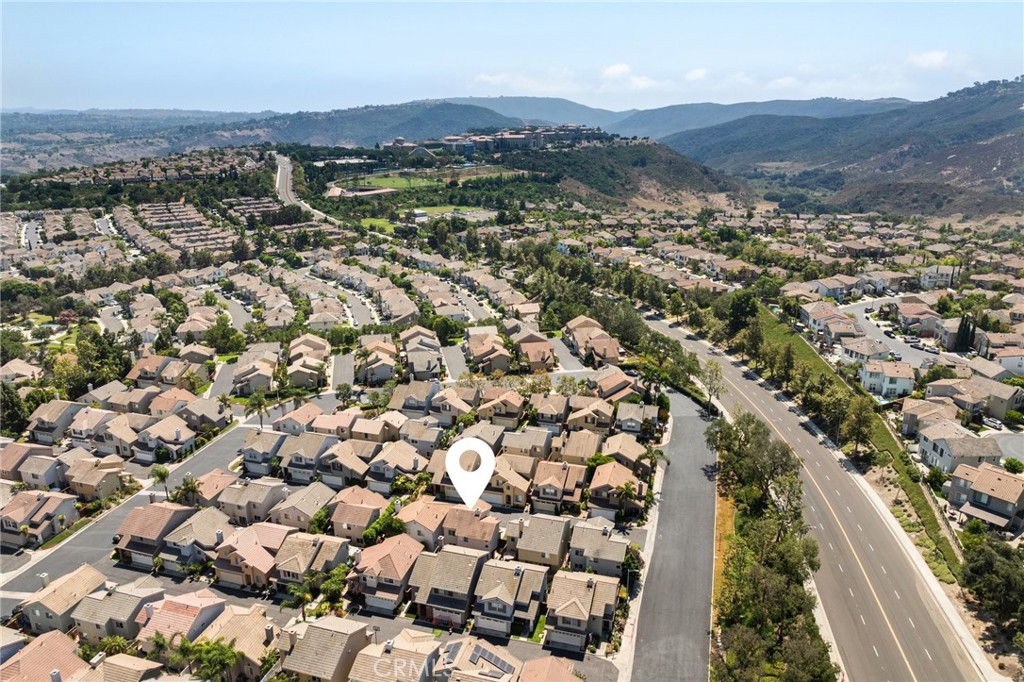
[353,510]
[52,652]
[581,607]
[862,349]
[413,399]
[608,492]
[203,414]
[509,485]
[979,394]
[557,487]
[140,537]
[305,554]
[246,557]
[32,517]
[551,410]
[86,425]
[532,441]
[576,447]
[323,651]
[40,472]
[539,539]
[917,413]
[889,380]
[250,501]
[422,434]
[395,459]
[298,509]
[535,350]
[195,540]
[990,493]
[259,450]
[18,371]
[95,478]
[134,400]
[447,406]
[146,371]
[346,463]
[170,435]
[337,424]
[947,445]
[111,611]
[381,574]
[508,598]
[51,607]
[548,669]
[48,423]
[504,409]
[171,401]
[486,350]
[299,456]
[1011,359]
[469,658]
[12,455]
[938,277]
[474,528]
[595,548]
[101,396]
[918,318]
[211,485]
[612,385]
[423,519]
[592,414]
[186,615]
[443,584]
[637,419]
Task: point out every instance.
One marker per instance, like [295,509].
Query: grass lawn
[438,210]
[394,182]
[39,318]
[538,632]
[68,341]
[65,534]
[378,224]
[438,632]
[229,358]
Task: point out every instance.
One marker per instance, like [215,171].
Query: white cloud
[616,71]
[552,81]
[930,59]
[784,83]
[696,74]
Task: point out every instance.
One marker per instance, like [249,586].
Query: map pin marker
[469,484]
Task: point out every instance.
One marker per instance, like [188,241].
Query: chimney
[177,435]
[268,634]
[590,583]
[476,512]
[398,505]
[219,534]
[45,579]
[152,498]
[388,646]
[440,541]
[97,659]
[292,638]
[565,465]
[604,530]
[517,571]
[149,611]
[90,388]
[415,463]
[55,675]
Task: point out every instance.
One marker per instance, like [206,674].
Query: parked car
[918,345]
[931,349]
[895,355]
[911,339]
[992,423]
[869,309]
[890,333]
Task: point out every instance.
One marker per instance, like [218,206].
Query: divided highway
[887,621]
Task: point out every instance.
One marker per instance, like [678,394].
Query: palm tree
[655,455]
[361,357]
[159,473]
[299,594]
[115,644]
[212,659]
[224,400]
[256,404]
[188,489]
[626,493]
[192,380]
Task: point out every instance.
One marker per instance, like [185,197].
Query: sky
[254,56]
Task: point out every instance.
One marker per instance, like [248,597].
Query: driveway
[566,360]
[222,382]
[675,611]
[1012,444]
[455,361]
[361,313]
[109,321]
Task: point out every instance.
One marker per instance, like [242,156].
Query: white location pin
[469,484]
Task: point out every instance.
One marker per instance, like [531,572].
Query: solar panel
[452,652]
[492,658]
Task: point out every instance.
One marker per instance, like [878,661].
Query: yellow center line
[842,530]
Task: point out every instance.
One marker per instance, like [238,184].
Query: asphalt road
[881,608]
[675,611]
[239,315]
[344,370]
[31,235]
[109,320]
[361,312]
[455,362]
[566,360]
[912,355]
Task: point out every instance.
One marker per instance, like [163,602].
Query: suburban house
[979,394]
[259,450]
[195,541]
[469,658]
[250,632]
[594,548]
[539,539]
[381,574]
[447,406]
[250,501]
[354,509]
[407,657]
[50,652]
[947,445]
[50,608]
[532,441]
[443,584]
[581,606]
[918,412]
[298,420]
[535,351]
[606,491]
[551,410]
[557,487]
[887,379]
[473,528]
[246,557]
[185,615]
[95,478]
[324,650]
[346,463]
[423,518]
[862,349]
[300,455]
[171,435]
[990,493]
[112,611]
[32,517]
[637,419]
[504,409]
[298,509]
[590,413]
[141,534]
[508,596]
[48,422]
[304,554]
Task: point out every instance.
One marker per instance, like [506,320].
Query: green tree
[160,473]
[1013,465]
[115,644]
[256,404]
[713,380]
[12,345]
[212,660]
[13,413]
[858,421]
[319,522]
[187,490]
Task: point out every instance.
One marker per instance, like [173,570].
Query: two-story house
[381,575]
[443,584]
[508,598]
[990,493]
[581,607]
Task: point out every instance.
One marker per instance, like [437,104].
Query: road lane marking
[871,547]
[840,568]
[851,591]
[862,621]
[883,569]
[827,478]
[831,547]
[837,495]
[859,528]
[876,651]
[928,654]
[898,595]
[911,622]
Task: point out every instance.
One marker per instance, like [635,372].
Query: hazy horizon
[252,57]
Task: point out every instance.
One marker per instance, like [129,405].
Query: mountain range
[967,145]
